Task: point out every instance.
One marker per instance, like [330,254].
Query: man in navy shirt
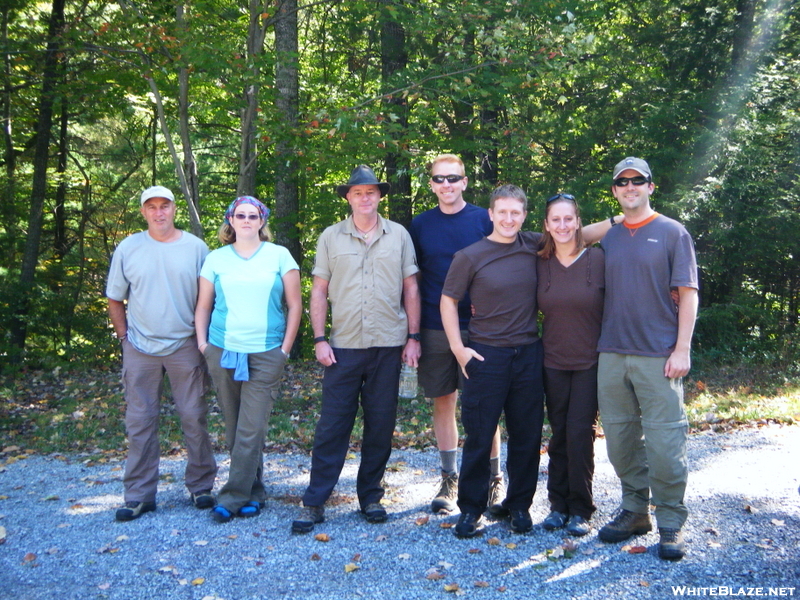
[438,234]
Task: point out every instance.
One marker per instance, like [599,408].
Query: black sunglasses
[557,196]
[623,181]
[449,178]
[242,217]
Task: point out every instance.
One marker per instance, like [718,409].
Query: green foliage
[542,94]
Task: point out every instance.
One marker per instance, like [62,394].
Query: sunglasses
[623,181]
[449,178]
[557,196]
[242,217]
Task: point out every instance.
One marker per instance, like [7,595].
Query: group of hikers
[458,296]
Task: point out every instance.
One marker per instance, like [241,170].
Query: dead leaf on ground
[750,508]
[316,556]
[481,584]
[356,557]
[104,586]
[502,588]
[322,537]
[474,551]
[493,541]
[198,581]
[422,520]
[29,557]
[350,567]
[511,546]
[434,575]
[404,556]
[201,543]
[644,584]
[451,587]
[778,522]
[382,538]
[446,525]
[711,530]
[637,550]
[2,535]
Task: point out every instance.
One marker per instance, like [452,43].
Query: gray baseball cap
[637,164]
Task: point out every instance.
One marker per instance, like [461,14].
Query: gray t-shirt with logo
[642,264]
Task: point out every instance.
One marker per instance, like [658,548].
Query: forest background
[281,99]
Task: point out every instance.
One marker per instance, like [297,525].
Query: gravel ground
[61,540]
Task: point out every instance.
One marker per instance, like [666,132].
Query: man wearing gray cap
[644,352]
[366,270]
[155,272]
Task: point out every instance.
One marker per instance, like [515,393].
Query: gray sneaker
[497,493]
[445,500]
[309,516]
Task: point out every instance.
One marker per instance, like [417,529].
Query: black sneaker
[374,513]
[578,526]
[309,516]
[445,500]
[555,520]
[624,525]
[468,526]
[133,510]
[203,500]
[670,546]
[520,521]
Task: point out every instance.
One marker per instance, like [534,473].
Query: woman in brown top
[570,296]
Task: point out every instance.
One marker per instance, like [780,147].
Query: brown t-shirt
[571,300]
[501,282]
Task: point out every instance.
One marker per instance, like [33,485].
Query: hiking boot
[445,500]
[468,526]
[309,516]
[624,525]
[578,526]
[497,493]
[133,510]
[555,520]
[203,500]
[670,546]
[521,521]
[374,513]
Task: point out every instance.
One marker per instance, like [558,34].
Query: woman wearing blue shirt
[245,335]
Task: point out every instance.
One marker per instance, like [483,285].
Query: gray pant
[646,429]
[143,378]
[246,406]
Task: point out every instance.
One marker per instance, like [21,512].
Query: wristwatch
[414,336]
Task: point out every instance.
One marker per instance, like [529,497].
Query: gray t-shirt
[642,264]
[159,281]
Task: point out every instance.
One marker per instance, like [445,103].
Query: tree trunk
[394,58]
[248,159]
[192,189]
[60,241]
[287,202]
[9,154]
[30,258]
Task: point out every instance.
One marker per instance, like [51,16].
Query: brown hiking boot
[624,525]
[445,500]
[670,546]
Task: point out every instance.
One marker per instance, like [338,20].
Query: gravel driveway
[61,540]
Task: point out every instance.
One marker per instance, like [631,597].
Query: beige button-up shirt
[365,283]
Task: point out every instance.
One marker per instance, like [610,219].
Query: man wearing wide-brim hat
[366,270]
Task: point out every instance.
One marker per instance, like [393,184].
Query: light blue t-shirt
[248,312]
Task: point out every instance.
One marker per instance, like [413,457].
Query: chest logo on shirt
[652,240]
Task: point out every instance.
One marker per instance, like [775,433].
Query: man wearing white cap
[156,272]
[644,352]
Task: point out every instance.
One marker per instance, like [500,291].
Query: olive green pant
[646,429]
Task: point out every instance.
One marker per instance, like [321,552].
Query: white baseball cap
[157,191]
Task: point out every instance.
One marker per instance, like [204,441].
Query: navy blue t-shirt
[437,237]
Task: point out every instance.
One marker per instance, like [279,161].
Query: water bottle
[408,381]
